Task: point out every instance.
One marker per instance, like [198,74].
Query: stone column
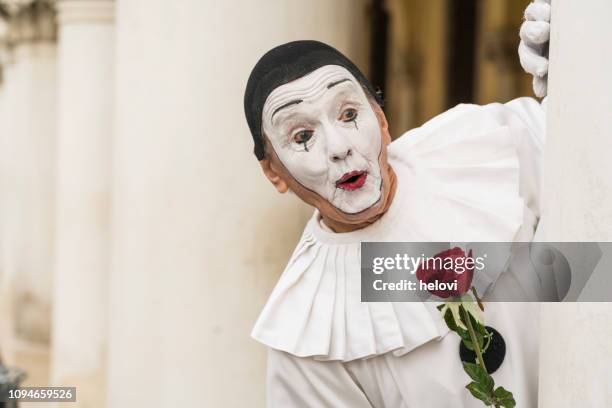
[199,235]
[576,352]
[28,143]
[85,88]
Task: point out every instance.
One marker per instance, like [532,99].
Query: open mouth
[352,180]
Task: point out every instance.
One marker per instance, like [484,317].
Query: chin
[354,202]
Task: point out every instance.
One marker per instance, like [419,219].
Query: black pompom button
[493,357]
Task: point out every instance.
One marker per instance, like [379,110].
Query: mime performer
[470,174]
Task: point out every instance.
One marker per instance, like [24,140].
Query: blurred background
[138,238]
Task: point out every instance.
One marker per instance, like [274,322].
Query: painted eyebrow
[294,102]
[298,101]
[332,84]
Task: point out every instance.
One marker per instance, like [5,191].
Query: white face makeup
[326,134]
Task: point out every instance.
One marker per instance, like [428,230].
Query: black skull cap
[286,63]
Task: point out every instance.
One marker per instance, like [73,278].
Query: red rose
[441,271]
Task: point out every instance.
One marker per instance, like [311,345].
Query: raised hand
[533,48]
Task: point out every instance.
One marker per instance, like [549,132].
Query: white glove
[533,48]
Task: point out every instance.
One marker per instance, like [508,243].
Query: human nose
[338,146]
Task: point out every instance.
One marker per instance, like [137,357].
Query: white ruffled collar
[316,310]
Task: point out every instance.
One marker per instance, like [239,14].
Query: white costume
[469,174]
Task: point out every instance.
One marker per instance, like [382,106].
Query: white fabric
[470,174]
[429,377]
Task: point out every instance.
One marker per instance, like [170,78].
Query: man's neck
[340,227]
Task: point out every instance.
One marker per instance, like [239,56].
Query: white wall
[576,352]
[199,236]
[578,168]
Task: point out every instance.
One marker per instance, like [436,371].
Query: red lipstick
[352,180]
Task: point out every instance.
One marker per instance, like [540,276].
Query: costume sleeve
[526,119]
[304,382]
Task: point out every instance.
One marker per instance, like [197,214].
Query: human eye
[348,115]
[302,137]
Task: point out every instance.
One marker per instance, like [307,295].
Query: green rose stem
[473,337]
[472,333]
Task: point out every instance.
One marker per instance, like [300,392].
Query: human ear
[272,175]
[382,122]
